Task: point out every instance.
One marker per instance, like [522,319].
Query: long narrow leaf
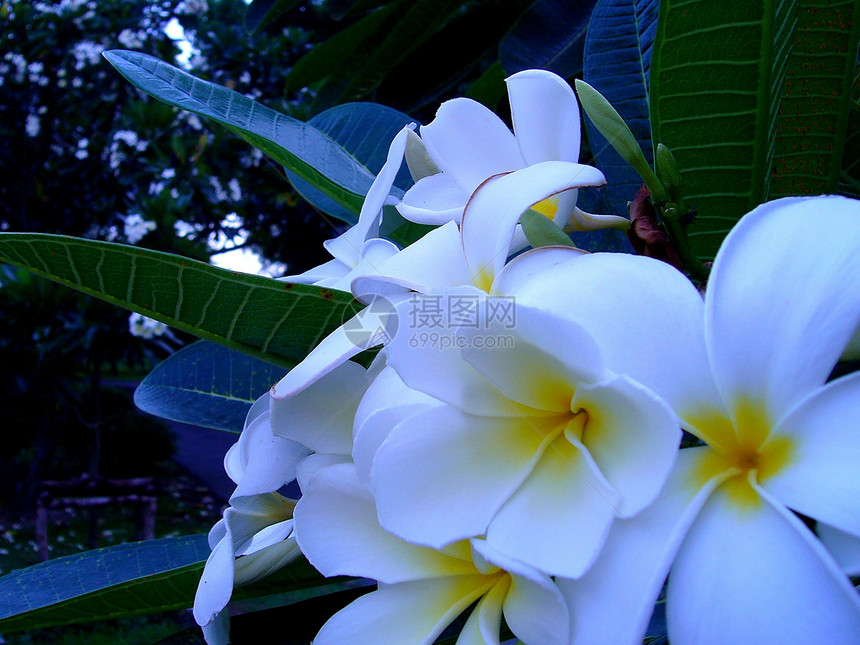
[339,50]
[617,63]
[716,75]
[299,147]
[365,130]
[128,580]
[417,22]
[262,13]
[206,385]
[272,320]
[548,35]
[813,113]
[435,70]
[125,580]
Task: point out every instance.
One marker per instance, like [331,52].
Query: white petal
[425,354]
[436,199]
[777,312]
[375,430]
[558,518]
[646,317]
[612,603]
[233,463]
[533,606]
[485,621]
[582,221]
[526,265]
[347,248]
[756,574]
[321,416]
[268,461]
[247,516]
[468,141]
[441,475]
[216,583]
[433,263]
[338,530]
[269,536]
[311,465]
[257,409]
[545,114]
[387,390]
[266,561]
[844,547]
[556,354]
[495,208]
[632,435]
[386,403]
[325,274]
[216,533]
[409,612]
[417,158]
[368,328]
[822,478]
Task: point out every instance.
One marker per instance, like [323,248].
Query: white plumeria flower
[421,590]
[469,144]
[320,418]
[360,250]
[747,373]
[471,256]
[537,445]
[254,540]
[255,537]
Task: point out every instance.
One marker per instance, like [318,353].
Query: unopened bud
[610,124]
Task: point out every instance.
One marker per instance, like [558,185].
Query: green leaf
[206,385]
[435,71]
[299,147]
[814,110]
[617,63]
[416,22]
[345,46]
[408,232]
[542,231]
[133,579]
[338,9]
[549,35]
[716,76]
[365,131]
[262,13]
[125,580]
[489,89]
[272,320]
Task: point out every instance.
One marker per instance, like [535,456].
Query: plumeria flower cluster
[511,459]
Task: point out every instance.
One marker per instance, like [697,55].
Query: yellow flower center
[742,448]
[548,207]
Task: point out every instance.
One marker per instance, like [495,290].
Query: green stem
[675,217]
